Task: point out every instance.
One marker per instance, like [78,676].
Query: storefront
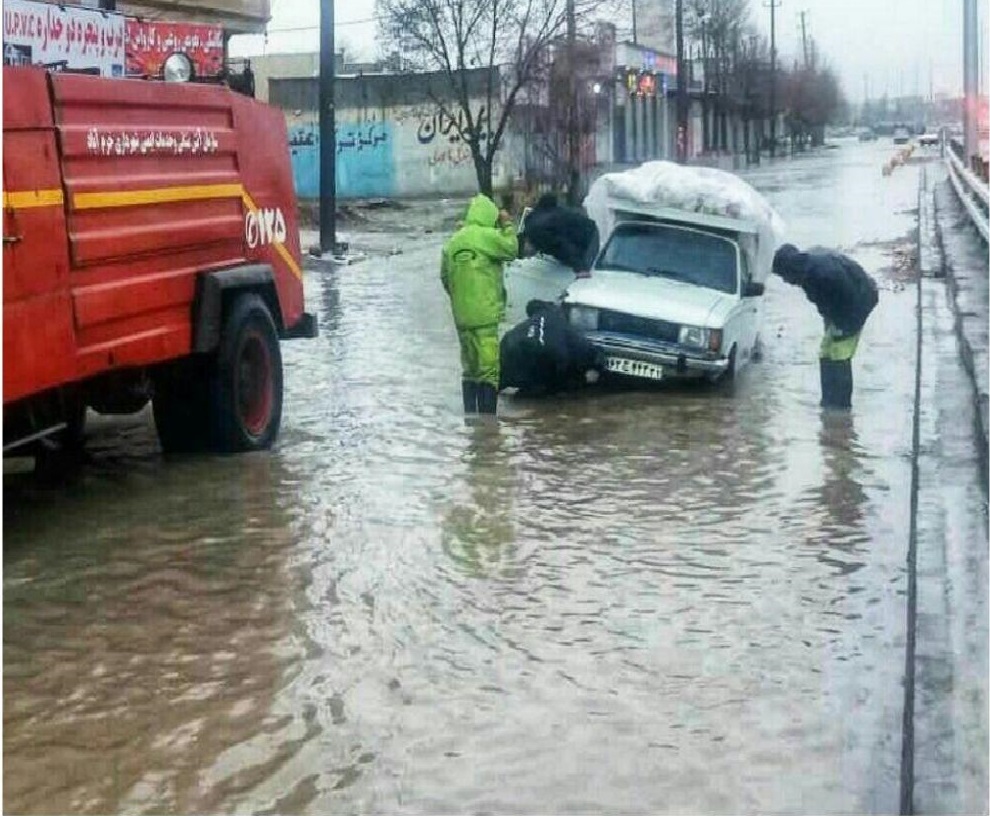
[643,120]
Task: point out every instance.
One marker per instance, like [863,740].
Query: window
[685,255]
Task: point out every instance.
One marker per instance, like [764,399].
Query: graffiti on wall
[405,151]
[366,137]
[453,156]
[364,165]
[438,126]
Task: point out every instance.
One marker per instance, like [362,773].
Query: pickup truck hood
[654,298]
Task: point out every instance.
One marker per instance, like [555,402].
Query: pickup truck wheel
[181,407]
[727,379]
[246,398]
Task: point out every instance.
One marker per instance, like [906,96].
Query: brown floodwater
[675,600]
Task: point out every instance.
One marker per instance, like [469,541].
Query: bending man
[844,295]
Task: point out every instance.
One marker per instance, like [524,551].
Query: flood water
[680,600]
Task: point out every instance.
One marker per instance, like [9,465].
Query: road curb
[964,265]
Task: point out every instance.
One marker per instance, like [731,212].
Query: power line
[316,26]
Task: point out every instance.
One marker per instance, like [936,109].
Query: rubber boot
[469,390]
[487,398]
[843,384]
[836,377]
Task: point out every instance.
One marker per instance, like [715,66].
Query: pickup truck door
[750,313]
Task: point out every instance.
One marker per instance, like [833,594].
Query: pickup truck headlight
[697,337]
[583,318]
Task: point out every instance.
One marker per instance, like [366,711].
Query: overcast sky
[898,44]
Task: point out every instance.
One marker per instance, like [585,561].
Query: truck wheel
[246,392]
[181,406]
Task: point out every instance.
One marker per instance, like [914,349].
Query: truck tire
[246,387]
[181,406]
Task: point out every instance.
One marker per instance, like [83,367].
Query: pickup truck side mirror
[753,290]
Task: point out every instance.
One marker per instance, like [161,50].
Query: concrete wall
[282,65]
[399,151]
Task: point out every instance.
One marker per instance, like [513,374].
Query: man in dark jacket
[844,296]
[543,354]
[566,234]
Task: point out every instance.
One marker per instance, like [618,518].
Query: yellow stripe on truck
[26,199]
[161,195]
[136,198]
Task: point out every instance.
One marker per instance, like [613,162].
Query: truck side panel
[123,194]
[153,199]
[38,337]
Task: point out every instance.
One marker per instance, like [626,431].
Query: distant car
[928,139]
[867,135]
[901,136]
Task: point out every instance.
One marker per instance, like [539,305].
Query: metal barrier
[973,192]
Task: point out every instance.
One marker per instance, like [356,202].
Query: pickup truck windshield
[659,251]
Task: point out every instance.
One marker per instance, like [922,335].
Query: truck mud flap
[208,306]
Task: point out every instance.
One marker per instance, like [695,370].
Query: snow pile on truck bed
[702,190]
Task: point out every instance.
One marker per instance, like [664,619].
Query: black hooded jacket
[838,286]
[566,234]
[545,353]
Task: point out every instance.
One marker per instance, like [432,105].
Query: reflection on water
[651,601]
[476,531]
[142,637]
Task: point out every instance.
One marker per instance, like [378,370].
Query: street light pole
[970,79]
[573,135]
[328,142]
[774,4]
[682,94]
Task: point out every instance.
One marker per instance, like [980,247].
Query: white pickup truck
[673,294]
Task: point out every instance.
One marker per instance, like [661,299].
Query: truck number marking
[264,226]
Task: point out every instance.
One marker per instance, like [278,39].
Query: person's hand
[504,218]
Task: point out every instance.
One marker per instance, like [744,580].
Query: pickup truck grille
[640,326]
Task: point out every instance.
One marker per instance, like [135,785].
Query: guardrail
[973,192]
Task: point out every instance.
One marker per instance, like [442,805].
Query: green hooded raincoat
[471,272]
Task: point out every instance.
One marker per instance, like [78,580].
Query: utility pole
[573,134]
[971,72]
[774,5]
[328,141]
[634,21]
[804,36]
[682,93]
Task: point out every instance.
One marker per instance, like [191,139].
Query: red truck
[150,252]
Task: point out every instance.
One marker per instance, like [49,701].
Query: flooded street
[679,600]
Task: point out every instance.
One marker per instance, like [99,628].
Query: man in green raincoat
[471,272]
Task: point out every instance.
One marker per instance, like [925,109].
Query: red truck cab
[150,251]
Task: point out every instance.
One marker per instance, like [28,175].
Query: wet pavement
[680,600]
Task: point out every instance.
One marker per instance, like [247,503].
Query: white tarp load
[701,190]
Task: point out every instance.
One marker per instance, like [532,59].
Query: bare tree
[507,38]
[558,127]
[718,28]
[814,99]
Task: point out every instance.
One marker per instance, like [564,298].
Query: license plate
[634,368]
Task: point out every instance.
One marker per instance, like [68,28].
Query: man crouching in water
[471,273]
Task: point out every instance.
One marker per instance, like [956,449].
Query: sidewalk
[964,263]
